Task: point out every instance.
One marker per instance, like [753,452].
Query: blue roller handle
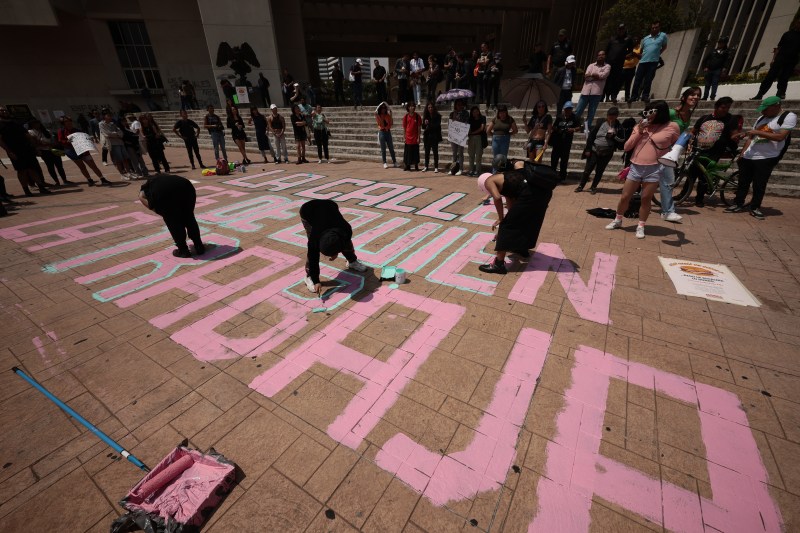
[66,408]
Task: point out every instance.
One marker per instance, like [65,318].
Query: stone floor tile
[220,427]
[301,459]
[359,492]
[195,418]
[331,473]
[450,375]
[223,391]
[392,510]
[323,523]
[484,348]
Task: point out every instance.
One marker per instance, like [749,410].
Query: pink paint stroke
[284,183]
[246,181]
[204,200]
[420,258]
[383,381]
[575,471]
[394,204]
[448,273]
[592,300]
[93,257]
[369,199]
[398,246]
[243,215]
[436,209]
[483,215]
[296,234]
[315,193]
[16,234]
[485,462]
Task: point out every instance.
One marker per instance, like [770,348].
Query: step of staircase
[354,137]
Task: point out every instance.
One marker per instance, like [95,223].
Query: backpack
[787,141]
[222,167]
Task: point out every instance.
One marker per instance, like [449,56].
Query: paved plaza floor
[578,393]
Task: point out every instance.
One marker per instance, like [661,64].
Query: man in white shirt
[764,147]
[417,68]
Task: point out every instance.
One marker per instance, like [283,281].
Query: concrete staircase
[354,137]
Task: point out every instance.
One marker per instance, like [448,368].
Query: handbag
[623,174]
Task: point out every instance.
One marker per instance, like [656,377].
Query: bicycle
[715,174]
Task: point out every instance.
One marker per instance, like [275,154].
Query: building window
[135,54]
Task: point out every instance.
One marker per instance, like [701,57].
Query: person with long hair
[412,123]
[133,147]
[300,134]
[277,125]
[43,141]
[188,130]
[81,161]
[383,118]
[432,135]
[238,133]
[651,138]
[259,122]
[682,116]
[154,139]
[319,122]
[501,128]
[476,139]
[539,128]
[600,147]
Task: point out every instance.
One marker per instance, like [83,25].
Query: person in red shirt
[412,123]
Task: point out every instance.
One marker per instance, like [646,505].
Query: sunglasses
[649,112]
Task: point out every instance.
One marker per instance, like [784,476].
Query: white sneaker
[435,170]
[459,173]
[310,284]
[671,217]
[357,265]
[614,224]
[424,169]
[385,165]
[640,232]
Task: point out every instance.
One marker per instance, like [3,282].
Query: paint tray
[387,273]
[179,494]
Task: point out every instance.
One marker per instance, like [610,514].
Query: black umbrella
[528,89]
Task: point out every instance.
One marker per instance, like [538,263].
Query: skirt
[410,154]
[520,228]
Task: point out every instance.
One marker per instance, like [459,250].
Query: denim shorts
[645,173]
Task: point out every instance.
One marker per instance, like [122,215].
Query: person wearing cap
[617,49]
[763,149]
[784,59]
[358,87]
[601,144]
[328,234]
[653,45]
[594,82]
[714,65]
[565,79]
[565,126]
[527,189]
[559,52]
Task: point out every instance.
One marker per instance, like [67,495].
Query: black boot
[495,266]
[182,252]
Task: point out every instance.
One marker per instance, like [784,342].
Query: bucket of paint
[399,276]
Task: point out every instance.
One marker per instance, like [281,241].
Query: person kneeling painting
[329,234]
[173,197]
[527,190]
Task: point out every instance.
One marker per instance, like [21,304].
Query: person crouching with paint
[173,197]
[328,234]
[527,190]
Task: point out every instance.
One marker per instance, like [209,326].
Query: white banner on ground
[709,281]
[457,132]
[81,142]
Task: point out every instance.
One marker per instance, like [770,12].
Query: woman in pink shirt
[652,138]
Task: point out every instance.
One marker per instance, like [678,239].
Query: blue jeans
[592,101]
[385,138]
[500,144]
[665,186]
[218,140]
[644,78]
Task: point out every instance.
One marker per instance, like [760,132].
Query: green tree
[638,14]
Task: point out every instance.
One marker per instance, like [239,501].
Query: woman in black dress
[300,135]
[259,121]
[238,133]
[432,135]
[527,190]
[155,140]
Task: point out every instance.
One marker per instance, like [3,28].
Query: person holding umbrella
[459,114]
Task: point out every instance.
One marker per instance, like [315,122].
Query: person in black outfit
[173,197]
[565,78]
[263,87]
[493,76]
[716,135]
[328,234]
[601,143]
[537,60]
[259,122]
[17,144]
[558,52]
[566,124]
[783,62]
[527,188]
[189,131]
[357,84]
[379,75]
[713,67]
[431,135]
[617,48]
[155,143]
[402,67]
[338,83]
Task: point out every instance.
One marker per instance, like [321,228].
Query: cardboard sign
[709,281]
[242,95]
[457,132]
[81,142]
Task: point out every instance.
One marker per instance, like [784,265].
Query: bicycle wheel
[684,183]
[727,192]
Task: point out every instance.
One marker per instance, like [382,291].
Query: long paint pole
[66,408]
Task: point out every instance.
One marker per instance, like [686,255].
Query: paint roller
[164,478]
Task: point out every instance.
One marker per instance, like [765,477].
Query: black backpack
[787,140]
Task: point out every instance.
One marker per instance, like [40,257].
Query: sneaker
[319,162]
[494,267]
[614,224]
[182,253]
[385,165]
[424,169]
[357,265]
[106,164]
[486,201]
[671,217]
[310,285]
[579,188]
[757,214]
[640,232]
[734,209]
[756,97]
[592,191]
[435,170]
[459,173]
